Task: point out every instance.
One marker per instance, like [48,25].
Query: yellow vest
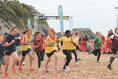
[52,47]
[26,46]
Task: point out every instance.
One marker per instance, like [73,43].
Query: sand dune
[87,69]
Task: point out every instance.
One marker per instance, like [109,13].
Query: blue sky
[99,15]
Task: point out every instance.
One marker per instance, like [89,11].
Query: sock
[111,60]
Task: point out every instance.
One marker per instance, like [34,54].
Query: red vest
[40,43]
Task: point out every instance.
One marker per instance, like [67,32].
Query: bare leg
[7,63]
[22,59]
[49,59]
[19,58]
[15,56]
[56,58]
[31,58]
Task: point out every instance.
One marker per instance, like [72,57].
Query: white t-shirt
[112,36]
[77,38]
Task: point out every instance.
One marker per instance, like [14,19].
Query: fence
[89,46]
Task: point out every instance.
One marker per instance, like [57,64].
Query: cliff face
[13,13]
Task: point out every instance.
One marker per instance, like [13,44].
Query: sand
[86,69]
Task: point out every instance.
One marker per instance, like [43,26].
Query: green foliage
[17,13]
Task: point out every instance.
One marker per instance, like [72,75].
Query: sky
[98,15]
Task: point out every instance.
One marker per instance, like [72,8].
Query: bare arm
[19,38]
[8,44]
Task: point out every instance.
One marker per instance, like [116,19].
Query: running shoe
[67,67]
[90,52]
[65,70]
[46,67]
[56,68]
[6,75]
[20,68]
[39,69]
[76,63]
[31,69]
[23,64]
[98,61]
[109,67]
[14,69]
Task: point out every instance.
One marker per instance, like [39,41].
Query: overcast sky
[99,15]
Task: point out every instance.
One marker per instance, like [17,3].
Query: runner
[76,37]
[2,59]
[51,48]
[10,49]
[38,45]
[114,39]
[26,48]
[97,44]
[67,48]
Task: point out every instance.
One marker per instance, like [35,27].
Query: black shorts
[9,52]
[50,54]
[114,50]
[24,53]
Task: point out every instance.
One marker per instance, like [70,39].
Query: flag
[60,13]
[29,23]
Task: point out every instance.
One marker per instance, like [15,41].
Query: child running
[51,48]
[114,39]
[67,48]
[10,49]
[2,59]
[75,44]
[76,37]
[97,44]
[26,48]
[38,45]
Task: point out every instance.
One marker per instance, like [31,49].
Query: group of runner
[99,41]
[15,44]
